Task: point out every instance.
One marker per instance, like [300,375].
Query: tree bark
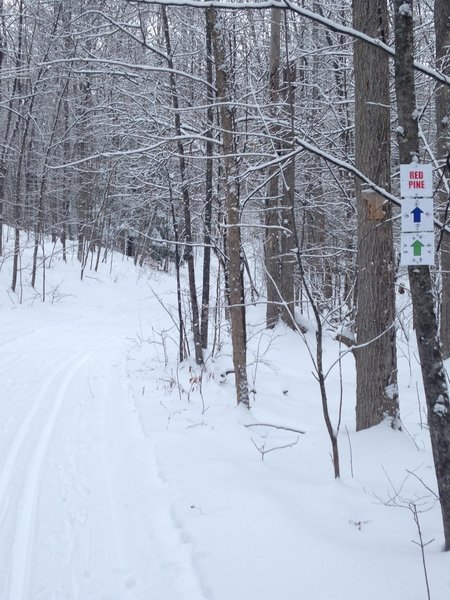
[273,198]
[189,254]
[85,198]
[287,212]
[2,170]
[442,31]
[428,342]
[18,181]
[236,288]
[279,264]
[204,319]
[181,332]
[376,358]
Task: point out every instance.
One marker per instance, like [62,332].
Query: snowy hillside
[125,476]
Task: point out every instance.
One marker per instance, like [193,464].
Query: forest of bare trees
[256,145]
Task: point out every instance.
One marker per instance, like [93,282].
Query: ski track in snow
[84,514]
[22,546]
[20,439]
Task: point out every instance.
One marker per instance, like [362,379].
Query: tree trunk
[273,198]
[181,333]
[189,254]
[18,181]
[236,288]
[287,212]
[2,169]
[204,320]
[428,343]
[85,198]
[376,358]
[442,30]
[279,264]
[65,203]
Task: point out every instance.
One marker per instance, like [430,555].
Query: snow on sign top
[416,181]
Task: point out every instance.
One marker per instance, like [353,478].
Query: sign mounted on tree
[417,248]
[417,239]
[417,214]
[416,181]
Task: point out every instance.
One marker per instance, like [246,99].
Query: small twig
[197,508]
[421,543]
[90,389]
[420,405]
[276,427]
[398,502]
[432,492]
[262,450]
[408,434]
[359,524]
[351,451]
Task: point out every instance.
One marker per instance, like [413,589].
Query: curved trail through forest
[84,514]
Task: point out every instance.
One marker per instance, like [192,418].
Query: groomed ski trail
[84,512]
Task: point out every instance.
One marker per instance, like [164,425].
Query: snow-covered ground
[124,476]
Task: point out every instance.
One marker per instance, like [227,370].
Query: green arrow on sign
[417,248]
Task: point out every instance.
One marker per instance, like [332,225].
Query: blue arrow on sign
[417,214]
